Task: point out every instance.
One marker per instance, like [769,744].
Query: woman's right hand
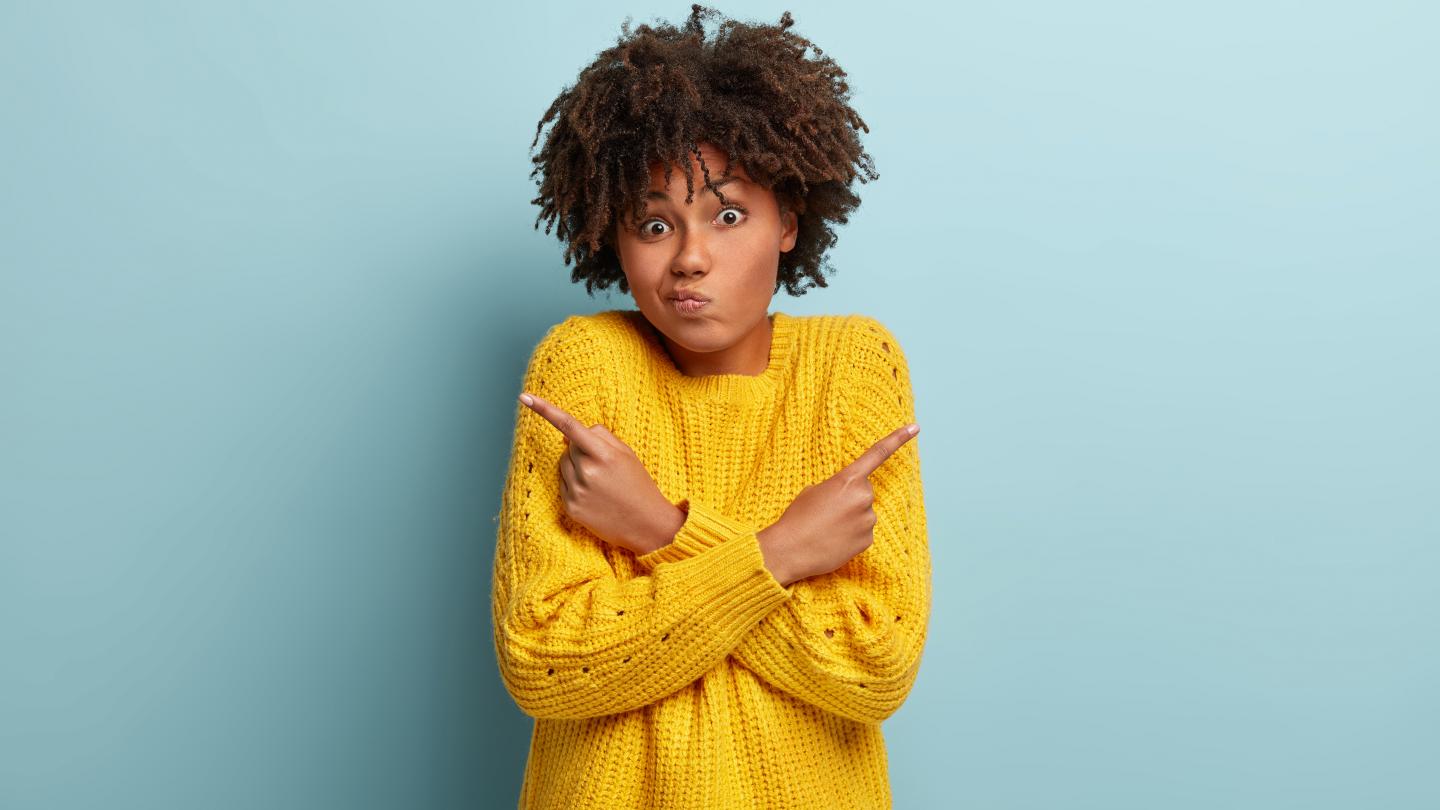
[830,522]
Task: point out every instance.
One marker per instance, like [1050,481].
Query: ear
[790,228]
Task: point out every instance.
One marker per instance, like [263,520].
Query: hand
[604,486]
[830,522]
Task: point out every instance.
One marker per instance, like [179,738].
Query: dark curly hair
[660,92]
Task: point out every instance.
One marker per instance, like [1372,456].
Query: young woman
[712,574]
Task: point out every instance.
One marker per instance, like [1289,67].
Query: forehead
[716,163]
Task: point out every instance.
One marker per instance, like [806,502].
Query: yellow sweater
[689,678]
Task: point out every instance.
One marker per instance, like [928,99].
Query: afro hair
[658,94]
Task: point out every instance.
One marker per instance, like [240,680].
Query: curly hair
[661,91]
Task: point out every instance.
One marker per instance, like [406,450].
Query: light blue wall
[1167,275]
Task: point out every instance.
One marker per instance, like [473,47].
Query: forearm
[573,641]
[836,644]
[778,557]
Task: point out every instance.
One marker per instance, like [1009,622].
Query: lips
[689,306]
[687,295]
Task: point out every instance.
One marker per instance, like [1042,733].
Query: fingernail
[913,429]
[527,399]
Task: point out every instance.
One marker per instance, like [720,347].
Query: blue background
[1166,275]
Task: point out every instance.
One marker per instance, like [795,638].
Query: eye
[732,207]
[647,228]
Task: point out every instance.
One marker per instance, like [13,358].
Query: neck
[749,356]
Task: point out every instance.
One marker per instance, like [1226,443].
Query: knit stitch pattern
[689,678]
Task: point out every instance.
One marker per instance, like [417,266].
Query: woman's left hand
[604,486]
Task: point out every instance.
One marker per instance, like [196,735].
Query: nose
[693,257]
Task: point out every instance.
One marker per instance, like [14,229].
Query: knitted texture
[689,678]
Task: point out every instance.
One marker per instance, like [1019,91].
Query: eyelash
[640,229]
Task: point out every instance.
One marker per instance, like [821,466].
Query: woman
[712,574]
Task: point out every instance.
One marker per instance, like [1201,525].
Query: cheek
[637,258]
[762,254]
[631,256]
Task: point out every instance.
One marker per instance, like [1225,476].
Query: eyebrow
[660,195]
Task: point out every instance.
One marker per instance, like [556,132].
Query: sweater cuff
[704,528]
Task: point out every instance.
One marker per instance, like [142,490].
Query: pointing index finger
[871,459]
[568,425]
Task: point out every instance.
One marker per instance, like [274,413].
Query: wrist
[771,548]
[669,524]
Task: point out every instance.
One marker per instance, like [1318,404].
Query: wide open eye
[645,228]
[733,207]
[648,230]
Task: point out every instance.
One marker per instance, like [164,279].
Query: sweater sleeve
[572,639]
[850,641]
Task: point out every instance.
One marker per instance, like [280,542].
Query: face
[727,253]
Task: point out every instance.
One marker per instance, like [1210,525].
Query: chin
[700,346]
[697,336]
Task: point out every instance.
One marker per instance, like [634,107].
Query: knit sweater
[689,677]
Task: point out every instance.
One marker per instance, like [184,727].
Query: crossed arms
[575,641]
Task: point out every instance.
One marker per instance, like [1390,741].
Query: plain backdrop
[1167,276]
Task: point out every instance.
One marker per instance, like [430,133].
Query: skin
[732,256]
